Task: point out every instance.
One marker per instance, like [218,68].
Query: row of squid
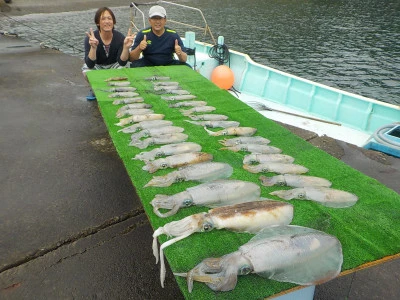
[278,251]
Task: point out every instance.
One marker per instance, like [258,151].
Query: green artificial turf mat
[368,231]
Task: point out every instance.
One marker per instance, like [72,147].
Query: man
[157,43]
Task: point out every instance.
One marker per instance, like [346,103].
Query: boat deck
[71,222]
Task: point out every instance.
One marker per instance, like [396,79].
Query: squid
[155,131]
[253,148]
[128,100]
[280,168]
[123,95]
[197,109]
[156,77]
[167,150]
[194,103]
[215,124]
[118,78]
[294,180]
[139,118]
[119,89]
[121,84]
[248,217]
[256,140]
[178,97]
[160,83]
[251,159]
[177,160]
[127,107]
[172,92]
[286,253]
[215,193]
[161,139]
[145,125]
[239,131]
[323,195]
[202,172]
[135,111]
[208,117]
[166,87]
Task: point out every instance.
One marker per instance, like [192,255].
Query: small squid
[128,100]
[203,172]
[197,109]
[287,253]
[248,217]
[253,148]
[145,125]
[215,124]
[177,160]
[211,194]
[132,112]
[255,140]
[275,167]
[123,95]
[239,131]
[139,118]
[258,158]
[323,195]
[294,180]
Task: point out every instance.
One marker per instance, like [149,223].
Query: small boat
[287,98]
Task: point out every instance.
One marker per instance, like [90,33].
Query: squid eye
[224,133]
[159,154]
[179,179]
[281,183]
[243,148]
[207,227]
[244,270]
[301,195]
[164,165]
[265,170]
[187,202]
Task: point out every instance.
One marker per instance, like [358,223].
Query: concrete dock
[71,224]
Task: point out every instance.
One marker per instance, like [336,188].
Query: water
[353,45]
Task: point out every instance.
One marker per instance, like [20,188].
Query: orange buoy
[223,77]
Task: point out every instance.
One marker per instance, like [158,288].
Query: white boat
[296,101]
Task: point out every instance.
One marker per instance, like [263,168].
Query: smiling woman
[105,48]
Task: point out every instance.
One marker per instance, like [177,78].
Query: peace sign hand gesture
[93,42]
[130,37]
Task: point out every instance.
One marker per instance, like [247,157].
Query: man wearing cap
[157,43]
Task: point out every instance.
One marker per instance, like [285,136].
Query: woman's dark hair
[98,14]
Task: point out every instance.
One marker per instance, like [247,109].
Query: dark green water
[353,45]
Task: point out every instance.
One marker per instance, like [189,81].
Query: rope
[48,36]
[220,53]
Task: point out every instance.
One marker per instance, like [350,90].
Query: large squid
[286,253]
[248,217]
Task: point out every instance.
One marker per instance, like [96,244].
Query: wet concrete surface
[71,223]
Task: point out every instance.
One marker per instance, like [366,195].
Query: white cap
[157,11]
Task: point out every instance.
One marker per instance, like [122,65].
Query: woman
[105,48]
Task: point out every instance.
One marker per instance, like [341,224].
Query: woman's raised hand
[93,42]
